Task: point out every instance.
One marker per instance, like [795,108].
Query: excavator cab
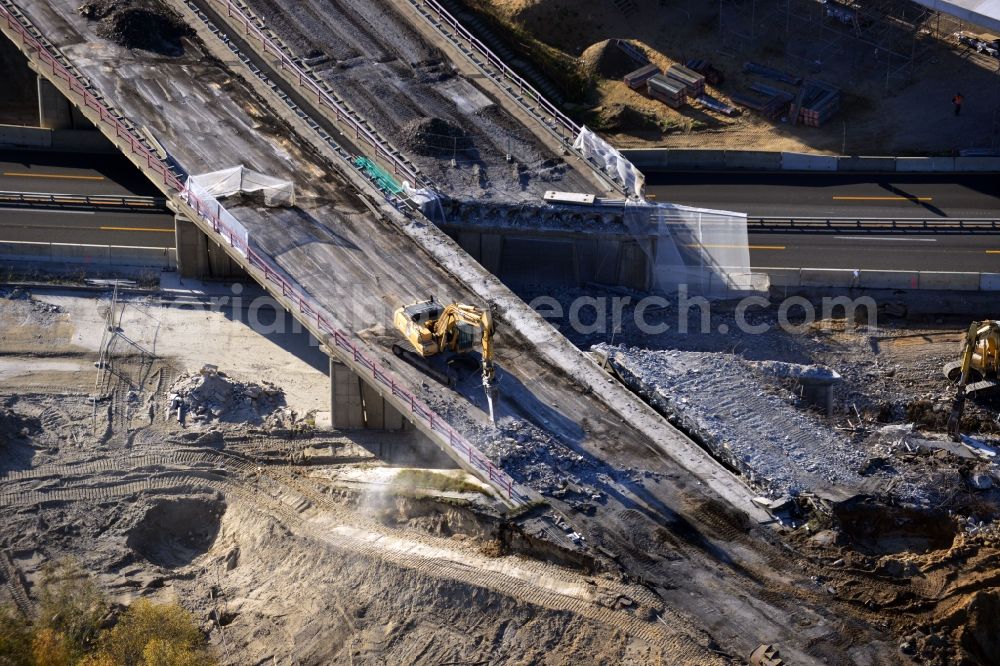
[430,329]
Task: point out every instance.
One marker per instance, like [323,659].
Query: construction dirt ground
[898,69]
[300,544]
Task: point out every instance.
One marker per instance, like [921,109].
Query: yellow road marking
[992,251]
[740,247]
[897,198]
[164,231]
[13,174]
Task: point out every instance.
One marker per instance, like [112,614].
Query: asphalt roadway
[79,174]
[935,196]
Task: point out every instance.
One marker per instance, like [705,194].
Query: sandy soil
[906,112]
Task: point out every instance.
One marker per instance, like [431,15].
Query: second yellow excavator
[977,369]
[431,328]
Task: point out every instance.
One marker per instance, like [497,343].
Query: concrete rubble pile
[210,395]
[720,400]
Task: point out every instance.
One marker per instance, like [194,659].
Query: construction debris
[138,24]
[210,395]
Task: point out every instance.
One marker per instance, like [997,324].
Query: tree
[154,635]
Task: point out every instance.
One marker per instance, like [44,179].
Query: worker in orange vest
[957,101]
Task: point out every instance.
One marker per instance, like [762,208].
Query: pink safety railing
[323,98]
[342,341]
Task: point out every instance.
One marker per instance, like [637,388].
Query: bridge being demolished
[345,257]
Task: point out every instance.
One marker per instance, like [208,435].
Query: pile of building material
[638,78]
[712,75]
[770,103]
[693,82]
[629,49]
[668,90]
[710,102]
[817,103]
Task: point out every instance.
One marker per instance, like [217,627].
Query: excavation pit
[173,533]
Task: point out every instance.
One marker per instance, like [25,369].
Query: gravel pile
[138,24]
[435,137]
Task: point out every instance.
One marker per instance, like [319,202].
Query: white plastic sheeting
[199,198]
[611,161]
[238,179]
[706,251]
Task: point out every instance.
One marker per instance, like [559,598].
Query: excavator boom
[980,356]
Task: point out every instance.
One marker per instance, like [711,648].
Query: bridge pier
[54,111]
[355,404]
[200,257]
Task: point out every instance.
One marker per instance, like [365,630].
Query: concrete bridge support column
[54,111]
[192,249]
[356,404]
[201,257]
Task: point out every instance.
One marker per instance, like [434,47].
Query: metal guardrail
[324,97]
[86,201]
[881,225]
[446,434]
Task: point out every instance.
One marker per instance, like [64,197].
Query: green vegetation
[69,629]
[425,478]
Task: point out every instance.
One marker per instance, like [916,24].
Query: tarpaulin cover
[238,179]
[611,161]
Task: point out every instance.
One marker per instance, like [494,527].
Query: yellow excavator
[977,369]
[431,328]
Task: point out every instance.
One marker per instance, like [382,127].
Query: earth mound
[435,137]
[138,24]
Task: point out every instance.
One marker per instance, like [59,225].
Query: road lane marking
[49,211]
[13,174]
[992,251]
[880,238]
[896,198]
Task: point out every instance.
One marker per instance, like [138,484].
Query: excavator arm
[446,332]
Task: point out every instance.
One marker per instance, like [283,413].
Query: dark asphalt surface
[833,195]
[71,173]
[936,196]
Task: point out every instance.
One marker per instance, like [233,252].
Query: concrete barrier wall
[67,140]
[97,255]
[669,159]
[25,137]
[845,278]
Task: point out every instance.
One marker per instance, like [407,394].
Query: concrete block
[758,160]
[827,277]
[81,254]
[606,270]
[469,240]
[144,257]
[943,280]
[781,277]
[808,162]
[977,164]
[22,251]
[491,250]
[989,281]
[925,164]
[863,163]
[648,158]
[346,408]
[374,407]
[33,137]
[889,280]
[696,159]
